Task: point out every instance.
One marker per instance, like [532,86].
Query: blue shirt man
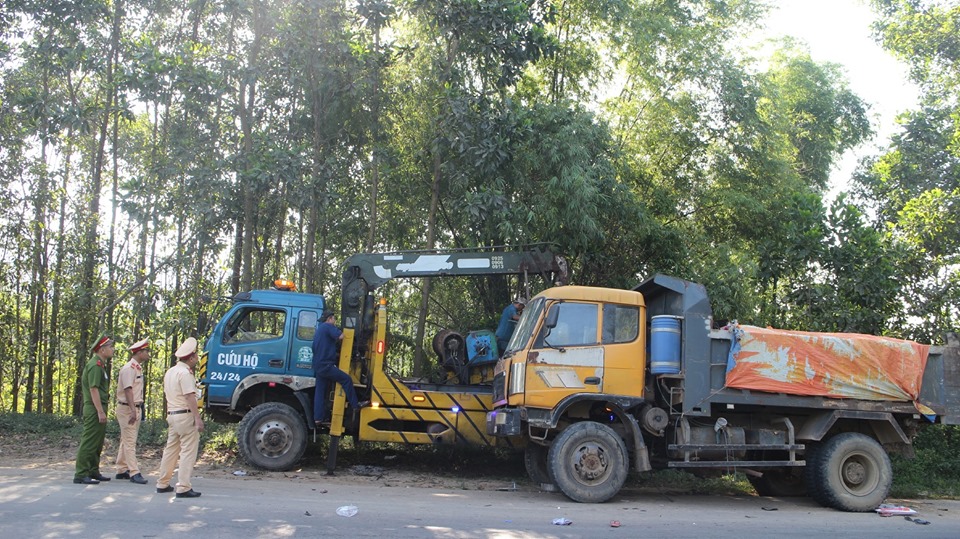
[508,322]
[325,341]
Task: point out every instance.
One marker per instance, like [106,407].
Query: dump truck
[603,381]
[257,366]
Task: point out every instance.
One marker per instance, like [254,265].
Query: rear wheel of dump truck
[535,461]
[272,436]
[588,462]
[850,472]
[780,482]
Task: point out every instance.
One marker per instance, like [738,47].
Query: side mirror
[552,315]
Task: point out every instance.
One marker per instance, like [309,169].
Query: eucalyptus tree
[470,56]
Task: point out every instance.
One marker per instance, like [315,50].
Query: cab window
[307,325]
[252,325]
[621,323]
[576,326]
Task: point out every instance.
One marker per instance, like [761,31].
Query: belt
[137,404]
[175,412]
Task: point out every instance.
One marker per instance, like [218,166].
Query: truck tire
[535,461]
[272,436]
[588,462]
[850,472]
[780,482]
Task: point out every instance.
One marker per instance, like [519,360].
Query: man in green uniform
[94,383]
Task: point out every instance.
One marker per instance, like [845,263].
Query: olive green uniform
[91,441]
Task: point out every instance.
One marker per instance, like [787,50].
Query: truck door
[302,345]
[252,340]
[566,358]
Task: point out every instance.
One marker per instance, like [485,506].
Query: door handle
[275,363]
[592,380]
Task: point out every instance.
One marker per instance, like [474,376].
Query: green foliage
[206,148]
[935,470]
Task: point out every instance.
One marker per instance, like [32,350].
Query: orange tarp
[837,365]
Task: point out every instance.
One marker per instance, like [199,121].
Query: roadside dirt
[377,466]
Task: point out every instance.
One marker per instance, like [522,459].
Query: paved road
[45,503]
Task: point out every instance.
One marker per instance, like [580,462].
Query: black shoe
[188,494]
[124,475]
[138,479]
[168,488]
[85,481]
[100,477]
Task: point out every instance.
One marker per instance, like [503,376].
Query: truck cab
[258,368]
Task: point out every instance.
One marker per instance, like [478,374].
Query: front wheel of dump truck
[588,462]
[850,472]
[780,482]
[535,461]
[272,436]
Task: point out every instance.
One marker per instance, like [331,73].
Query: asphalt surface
[44,503]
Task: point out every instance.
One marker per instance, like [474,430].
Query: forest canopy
[158,156]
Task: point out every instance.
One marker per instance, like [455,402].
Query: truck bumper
[503,422]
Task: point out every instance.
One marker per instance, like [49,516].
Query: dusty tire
[588,462]
[272,436]
[780,482]
[535,462]
[850,472]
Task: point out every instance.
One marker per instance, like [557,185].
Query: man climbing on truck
[508,322]
[325,342]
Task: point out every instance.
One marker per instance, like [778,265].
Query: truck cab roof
[281,298]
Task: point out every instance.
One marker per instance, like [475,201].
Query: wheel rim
[590,463]
[859,474]
[273,438]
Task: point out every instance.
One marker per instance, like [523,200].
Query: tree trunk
[87,324]
[419,361]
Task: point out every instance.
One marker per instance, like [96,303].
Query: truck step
[736,447]
[735,463]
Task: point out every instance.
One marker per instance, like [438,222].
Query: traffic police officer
[183,421]
[130,411]
[94,385]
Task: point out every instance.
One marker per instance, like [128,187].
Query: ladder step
[736,463]
[736,447]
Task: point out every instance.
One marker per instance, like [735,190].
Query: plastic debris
[347,510]
[889,510]
[562,521]
[239,473]
[367,471]
[917,520]
[509,489]
[614,523]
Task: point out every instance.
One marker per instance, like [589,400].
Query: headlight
[517,382]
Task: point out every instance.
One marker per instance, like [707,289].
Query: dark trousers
[91,443]
[326,371]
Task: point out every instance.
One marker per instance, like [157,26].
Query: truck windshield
[526,325]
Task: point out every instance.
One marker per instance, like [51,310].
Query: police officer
[94,385]
[130,411]
[183,421]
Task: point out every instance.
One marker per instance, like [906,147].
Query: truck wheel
[535,461]
[272,436]
[780,482]
[851,472]
[588,462]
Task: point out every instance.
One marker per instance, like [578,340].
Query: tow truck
[258,365]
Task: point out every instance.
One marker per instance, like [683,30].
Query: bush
[935,471]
